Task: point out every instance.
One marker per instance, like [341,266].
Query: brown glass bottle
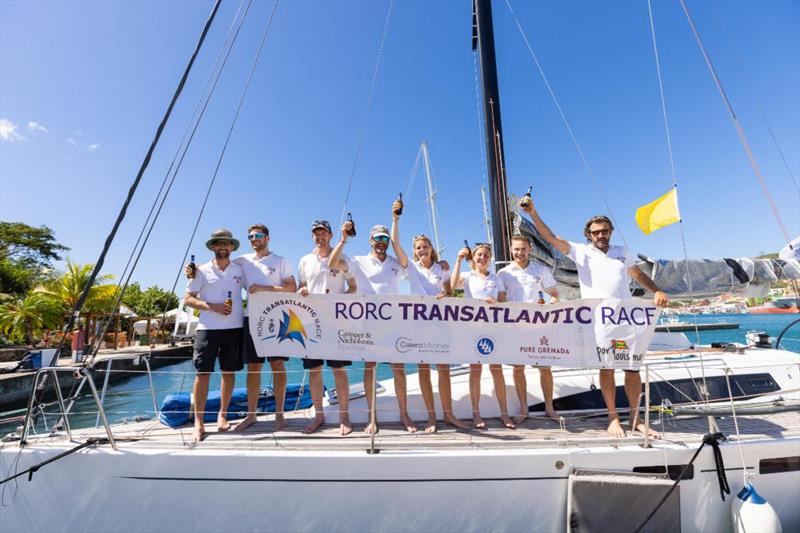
[526,198]
[541,298]
[352,231]
[399,210]
[229,300]
[192,269]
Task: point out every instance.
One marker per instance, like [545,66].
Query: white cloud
[9,131]
[72,141]
[92,147]
[35,126]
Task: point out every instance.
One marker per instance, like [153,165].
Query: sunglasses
[380,238]
[600,232]
[253,236]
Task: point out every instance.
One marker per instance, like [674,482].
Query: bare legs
[226,389]
[253,390]
[343,394]
[446,396]
[279,384]
[475,395]
[500,390]
[369,390]
[399,372]
[609,389]
[521,387]
[633,390]
[315,384]
[426,388]
[546,381]
[200,394]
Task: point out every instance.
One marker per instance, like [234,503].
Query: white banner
[608,333]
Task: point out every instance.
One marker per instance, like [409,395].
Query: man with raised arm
[380,273]
[216,290]
[524,281]
[604,271]
[317,276]
[263,271]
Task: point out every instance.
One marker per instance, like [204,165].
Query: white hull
[260,482]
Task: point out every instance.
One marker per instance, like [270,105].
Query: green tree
[26,257]
[25,320]
[67,289]
[151,302]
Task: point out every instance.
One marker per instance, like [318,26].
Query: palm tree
[23,320]
[67,289]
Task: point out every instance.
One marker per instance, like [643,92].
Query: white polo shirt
[269,270]
[428,281]
[480,287]
[374,276]
[212,285]
[319,277]
[602,275]
[524,284]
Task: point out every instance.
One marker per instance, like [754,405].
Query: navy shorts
[249,354]
[314,363]
[225,344]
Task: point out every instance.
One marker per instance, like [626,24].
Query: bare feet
[477,422]
[507,422]
[640,428]
[344,424]
[223,425]
[314,425]
[199,433]
[246,423]
[371,429]
[551,413]
[614,427]
[520,418]
[430,426]
[451,420]
[411,427]
[280,423]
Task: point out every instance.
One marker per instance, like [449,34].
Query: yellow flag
[659,213]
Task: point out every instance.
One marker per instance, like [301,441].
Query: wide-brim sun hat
[222,234]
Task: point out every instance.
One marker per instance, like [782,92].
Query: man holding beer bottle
[525,281]
[216,290]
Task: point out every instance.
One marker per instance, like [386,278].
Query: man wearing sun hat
[219,329]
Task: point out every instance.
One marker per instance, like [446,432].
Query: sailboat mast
[426,158]
[483,42]
[487,222]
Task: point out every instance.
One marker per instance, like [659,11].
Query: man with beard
[216,290]
[380,273]
[317,276]
[263,271]
[604,271]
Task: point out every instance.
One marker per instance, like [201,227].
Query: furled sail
[748,277]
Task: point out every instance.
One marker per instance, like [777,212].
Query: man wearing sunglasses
[605,271]
[317,276]
[263,271]
[380,273]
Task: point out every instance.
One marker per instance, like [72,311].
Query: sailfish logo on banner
[290,328]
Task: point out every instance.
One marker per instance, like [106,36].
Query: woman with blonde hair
[482,284]
[428,276]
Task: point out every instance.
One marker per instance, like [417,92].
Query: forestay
[413,329]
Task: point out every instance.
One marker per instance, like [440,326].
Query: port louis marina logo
[620,352]
[290,320]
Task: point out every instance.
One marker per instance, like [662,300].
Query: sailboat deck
[535,433]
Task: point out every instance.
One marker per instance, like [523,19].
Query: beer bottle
[469,255]
[192,268]
[229,301]
[399,210]
[541,298]
[526,199]
[352,231]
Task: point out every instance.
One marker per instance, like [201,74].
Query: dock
[15,388]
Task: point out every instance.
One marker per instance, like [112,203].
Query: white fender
[751,513]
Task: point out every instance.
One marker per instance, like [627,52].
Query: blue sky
[97,77]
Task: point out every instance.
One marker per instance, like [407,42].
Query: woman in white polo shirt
[427,276]
[481,284]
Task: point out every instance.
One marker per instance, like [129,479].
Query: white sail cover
[749,277]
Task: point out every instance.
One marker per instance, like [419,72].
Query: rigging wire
[675,182]
[566,123]
[365,115]
[207,93]
[134,186]
[737,125]
[227,140]
[739,62]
